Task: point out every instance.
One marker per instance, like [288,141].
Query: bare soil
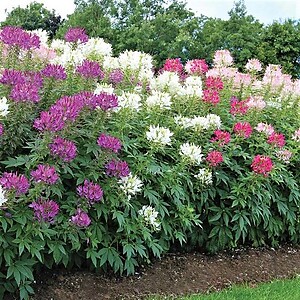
[175,274]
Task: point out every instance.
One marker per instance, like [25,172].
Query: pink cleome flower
[262,164]
[173,65]
[222,137]
[214,158]
[243,129]
[276,139]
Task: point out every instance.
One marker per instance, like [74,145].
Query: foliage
[280,45]
[106,164]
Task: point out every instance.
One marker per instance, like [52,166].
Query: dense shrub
[106,164]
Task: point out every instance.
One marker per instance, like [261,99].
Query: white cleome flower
[159,99]
[2,196]
[166,82]
[159,135]
[200,123]
[204,176]
[135,60]
[4,107]
[192,87]
[150,216]
[96,47]
[214,121]
[110,63]
[184,122]
[129,100]
[107,88]
[130,185]
[192,153]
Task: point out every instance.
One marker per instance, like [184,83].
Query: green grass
[277,290]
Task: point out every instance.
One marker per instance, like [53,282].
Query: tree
[34,16]
[96,16]
[281,45]
[241,35]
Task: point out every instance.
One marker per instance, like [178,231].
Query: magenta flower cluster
[104,101]
[25,92]
[44,173]
[90,69]
[81,218]
[45,210]
[173,65]
[48,122]
[109,142]
[15,182]
[238,107]
[16,36]
[65,109]
[117,168]
[12,77]
[90,191]
[76,35]
[243,129]
[222,137]
[214,158]
[116,76]
[57,72]
[62,148]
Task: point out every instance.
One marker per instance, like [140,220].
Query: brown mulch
[174,274]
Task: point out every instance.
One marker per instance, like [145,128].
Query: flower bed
[105,163]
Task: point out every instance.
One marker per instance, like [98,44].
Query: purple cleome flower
[65,109]
[81,218]
[13,181]
[49,121]
[117,168]
[109,142]
[68,107]
[12,77]
[16,36]
[45,210]
[76,34]
[46,174]
[103,100]
[64,149]
[35,78]
[116,76]
[25,92]
[1,129]
[90,191]
[90,69]
[57,72]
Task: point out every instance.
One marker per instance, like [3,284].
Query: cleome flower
[130,185]
[3,199]
[192,153]
[159,99]
[4,107]
[159,135]
[150,215]
[204,176]
[45,210]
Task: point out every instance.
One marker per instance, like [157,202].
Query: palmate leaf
[16,162]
